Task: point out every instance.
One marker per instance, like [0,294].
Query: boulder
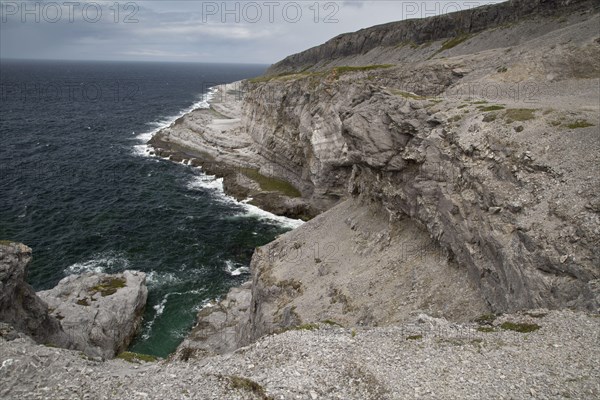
[100,312]
[217,325]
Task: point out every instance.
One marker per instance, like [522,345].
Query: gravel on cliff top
[428,358]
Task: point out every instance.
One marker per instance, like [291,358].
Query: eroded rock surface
[100,312]
[215,140]
[217,327]
[490,141]
[353,266]
[479,149]
[19,305]
[425,357]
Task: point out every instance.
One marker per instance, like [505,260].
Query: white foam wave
[210,182]
[144,149]
[230,268]
[206,182]
[253,211]
[154,278]
[100,263]
[160,309]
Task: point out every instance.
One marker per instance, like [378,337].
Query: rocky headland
[97,314]
[448,168]
[101,313]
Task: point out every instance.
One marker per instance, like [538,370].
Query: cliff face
[490,143]
[385,42]
[19,305]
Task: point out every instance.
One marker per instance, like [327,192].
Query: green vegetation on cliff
[271,184]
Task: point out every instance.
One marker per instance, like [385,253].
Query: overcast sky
[192,31]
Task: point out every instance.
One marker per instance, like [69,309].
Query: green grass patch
[414,337]
[580,123]
[108,286]
[6,242]
[83,302]
[132,357]
[271,184]
[248,385]
[338,71]
[302,327]
[307,68]
[260,79]
[451,43]
[479,102]
[490,117]
[291,284]
[491,108]
[407,95]
[485,329]
[518,327]
[281,76]
[306,327]
[455,41]
[409,43]
[485,319]
[332,323]
[346,69]
[519,114]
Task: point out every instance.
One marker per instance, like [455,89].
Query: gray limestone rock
[19,305]
[100,312]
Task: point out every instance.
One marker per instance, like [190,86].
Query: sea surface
[78,186]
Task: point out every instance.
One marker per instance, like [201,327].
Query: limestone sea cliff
[465,159]
[448,167]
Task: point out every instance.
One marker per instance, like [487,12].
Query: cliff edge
[95,313]
[454,163]
[488,140]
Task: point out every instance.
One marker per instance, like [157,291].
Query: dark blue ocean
[77,187]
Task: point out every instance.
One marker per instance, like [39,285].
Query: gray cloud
[209,31]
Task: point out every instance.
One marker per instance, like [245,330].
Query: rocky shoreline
[214,139]
[451,250]
[429,189]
